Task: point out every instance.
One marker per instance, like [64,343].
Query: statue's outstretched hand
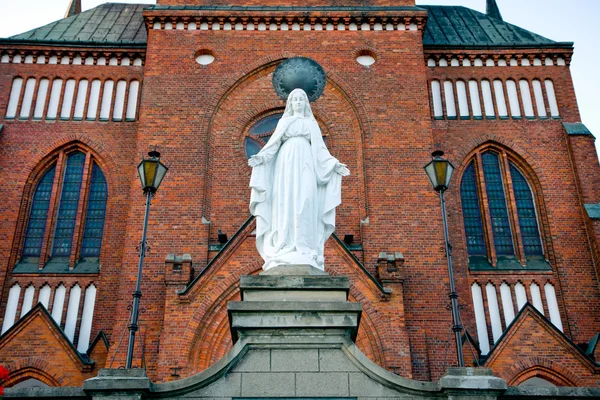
[254,161]
[342,169]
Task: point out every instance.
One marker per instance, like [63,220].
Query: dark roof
[122,25]
[461,27]
[109,23]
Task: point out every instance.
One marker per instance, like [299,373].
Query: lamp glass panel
[150,167]
[141,174]
[441,166]
[161,170]
[450,170]
[431,174]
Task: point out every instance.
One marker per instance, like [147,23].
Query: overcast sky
[571,21]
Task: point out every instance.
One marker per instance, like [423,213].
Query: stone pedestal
[472,383]
[117,384]
[308,306]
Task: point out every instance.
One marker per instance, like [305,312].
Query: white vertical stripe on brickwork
[552,98]
[27,300]
[436,94]
[27,98]
[526,98]
[72,311]
[488,101]
[94,99]
[494,310]
[59,302]
[119,101]
[463,103]
[479,309]
[54,99]
[500,99]
[508,308]
[536,297]
[40,102]
[513,98]
[539,98]
[520,295]
[80,102]
[132,100]
[44,296]
[13,100]
[87,316]
[449,97]
[11,307]
[475,102]
[552,304]
[106,100]
[65,112]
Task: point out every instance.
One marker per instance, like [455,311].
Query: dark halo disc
[299,72]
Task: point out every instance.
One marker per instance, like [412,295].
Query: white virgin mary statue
[296,186]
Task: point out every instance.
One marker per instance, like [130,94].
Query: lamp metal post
[439,171]
[151,172]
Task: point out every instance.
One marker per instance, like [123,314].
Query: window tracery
[65,221]
[499,213]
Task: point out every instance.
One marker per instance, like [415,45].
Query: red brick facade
[378,120]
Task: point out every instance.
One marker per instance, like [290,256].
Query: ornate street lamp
[439,171]
[151,172]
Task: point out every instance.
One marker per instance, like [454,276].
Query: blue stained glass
[497,204]
[265,125]
[69,202]
[472,213]
[252,146]
[262,129]
[36,226]
[526,211]
[96,211]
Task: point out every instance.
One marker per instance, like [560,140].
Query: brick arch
[41,161]
[206,329]
[518,152]
[367,339]
[544,368]
[258,68]
[37,368]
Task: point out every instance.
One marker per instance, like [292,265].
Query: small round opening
[204,57]
[365,58]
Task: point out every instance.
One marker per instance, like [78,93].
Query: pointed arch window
[499,214]
[65,221]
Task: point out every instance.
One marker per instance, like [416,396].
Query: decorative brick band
[286,23]
[54,57]
[513,59]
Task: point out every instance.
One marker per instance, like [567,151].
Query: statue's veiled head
[298,104]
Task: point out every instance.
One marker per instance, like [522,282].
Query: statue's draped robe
[295,191]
